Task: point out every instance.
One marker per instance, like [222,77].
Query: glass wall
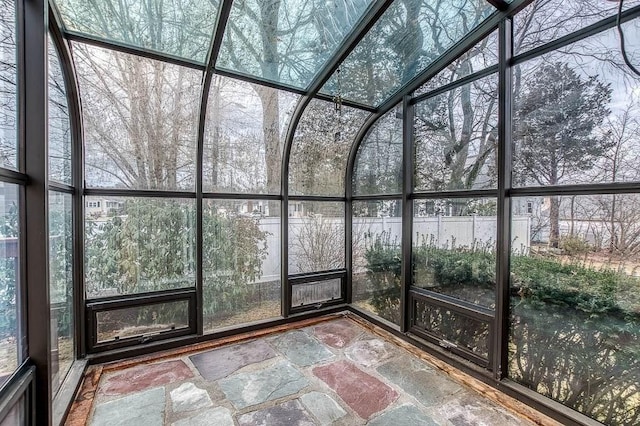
[241,262]
[138,244]
[10,356]
[316,236]
[8,86]
[377,258]
[244,137]
[140,120]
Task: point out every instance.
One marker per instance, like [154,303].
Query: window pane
[316,236]
[182,28]
[547,20]
[575,303]
[241,254]
[59,124]
[577,114]
[377,257]
[456,138]
[61,285]
[8,87]
[140,120]
[454,243]
[136,245]
[316,292]
[321,148]
[482,55]
[124,323]
[452,329]
[244,136]
[9,279]
[405,40]
[378,166]
[287,41]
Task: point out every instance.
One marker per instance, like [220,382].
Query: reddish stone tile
[337,334]
[145,376]
[362,392]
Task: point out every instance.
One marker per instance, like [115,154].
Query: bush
[573,245]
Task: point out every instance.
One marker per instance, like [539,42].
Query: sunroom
[186,184]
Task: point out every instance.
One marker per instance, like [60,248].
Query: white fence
[441,231]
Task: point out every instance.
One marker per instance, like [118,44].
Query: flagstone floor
[335,372]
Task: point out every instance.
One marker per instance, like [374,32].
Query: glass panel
[136,321]
[59,124]
[140,120]
[316,236]
[241,254]
[575,303]
[407,38]
[456,138]
[17,415]
[136,245]
[577,114]
[61,285]
[454,242]
[316,292]
[8,86]
[181,28]
[547,20]
[457,331]
[244,136]
[9,279]
[286,41]
[378,165]
[482,55]
[377,257]
[321,148]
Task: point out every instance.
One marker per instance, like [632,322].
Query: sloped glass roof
[287,43]
[408,37]
[178,28]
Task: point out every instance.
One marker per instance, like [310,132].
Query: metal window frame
[318,278]
[106,304]
[21,384]
[461,308]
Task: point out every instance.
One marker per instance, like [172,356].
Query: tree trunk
[554,218]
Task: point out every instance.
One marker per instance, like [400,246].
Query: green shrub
[573,245]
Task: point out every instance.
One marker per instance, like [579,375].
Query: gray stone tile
[323,407]
[251,388]
[419,381]
[219,363]
[470,409]
[290,413]
[140,408]
[219,416]
[302,349]
[368,352]
[188,397]
[405,415]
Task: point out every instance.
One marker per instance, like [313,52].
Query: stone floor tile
[419,381]
[302,349]
[251,388]
[405,415]
[323,407]
[337,334]
[219,416]
[141,408]
[188,397]
[368,352]
[470,409]
[145,376]
[219,363]
[290,413]
[362,392]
